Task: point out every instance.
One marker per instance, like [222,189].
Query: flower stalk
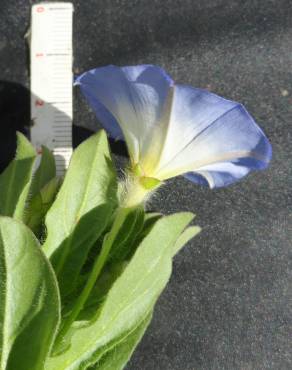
[95,272]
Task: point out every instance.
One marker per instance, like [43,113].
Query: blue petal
[127,100]
[107,120]
[182,130]
[196,178]
[193,111]
[223,173]
[212,138]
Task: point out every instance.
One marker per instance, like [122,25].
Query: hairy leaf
[130,229]
[100,290]
[40,204]
[185,237]
[130,298]
[29,299]
[83,237]
[82,208]
[119,353]
[45,172]
[15,180]
[149,220]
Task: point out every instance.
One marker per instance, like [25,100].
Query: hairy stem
[95,272]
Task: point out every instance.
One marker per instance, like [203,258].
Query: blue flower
[173,129]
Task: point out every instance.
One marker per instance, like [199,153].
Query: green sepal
[149,183]
[137,170]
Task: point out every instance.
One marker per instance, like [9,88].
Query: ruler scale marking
[51,80]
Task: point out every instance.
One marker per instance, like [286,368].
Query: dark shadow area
[118,147]
[80,134]
[14,116]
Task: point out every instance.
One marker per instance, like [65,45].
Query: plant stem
[95,272]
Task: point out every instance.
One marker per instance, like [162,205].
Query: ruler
[51,80]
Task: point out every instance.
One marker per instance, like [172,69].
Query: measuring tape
[51,80]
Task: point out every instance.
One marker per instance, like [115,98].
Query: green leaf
[15,180]
[40,204]
[45,172]
[130,298]
[78,244]
[29,304]
[185,237]
[100,290]
[149,221]
[82,208]
[130,229]
[97,268]
[119,353]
